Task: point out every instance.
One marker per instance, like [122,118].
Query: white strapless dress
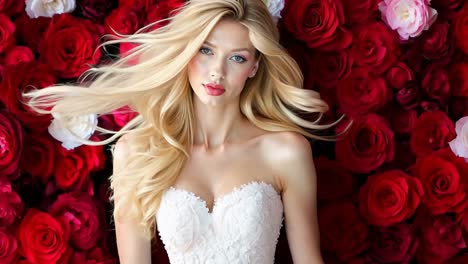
[243,227]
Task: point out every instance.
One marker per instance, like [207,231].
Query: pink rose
[459,145]
[408,17]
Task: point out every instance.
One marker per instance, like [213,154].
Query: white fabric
[243,227]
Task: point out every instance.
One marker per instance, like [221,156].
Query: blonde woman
[217,157]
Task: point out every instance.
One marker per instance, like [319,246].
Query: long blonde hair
[157,88]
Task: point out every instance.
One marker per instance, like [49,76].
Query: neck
[217,125]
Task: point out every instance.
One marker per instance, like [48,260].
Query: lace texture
[242,228]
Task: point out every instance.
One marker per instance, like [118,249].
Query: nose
[217,69]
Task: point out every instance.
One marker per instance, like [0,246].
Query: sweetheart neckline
[217,200]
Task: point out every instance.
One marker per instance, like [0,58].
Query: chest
[212,175]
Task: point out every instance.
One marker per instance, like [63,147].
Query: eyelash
[242,61]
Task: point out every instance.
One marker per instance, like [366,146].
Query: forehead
[230,34]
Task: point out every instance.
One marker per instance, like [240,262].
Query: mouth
[214,89]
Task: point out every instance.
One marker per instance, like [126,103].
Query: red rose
[367,145]
[329,67]
[409,95]
[460,29]
[11,7]
[462,220]
[82,215]
[18,54]
[98,255]
[12,208]
[123,115]
[38,157]
[95,9]
[447,8]
[442,175]
[394,244]
[433,131]
[404,158]
[160,11]
[435,83]
[362,92]
[458,107]
[399,74]
[43,239]
[459,79]
[333,181]
[137,3]
[459,260]
[375,46]
[19,78]
[8,247]
[69,45]
[7,33]
[359,11]
[123,20]
[435,41]
[441,238]
[319,23]
[342,231]
[74,166]
[402,121]
[31,30]
[389,197]
[11,145]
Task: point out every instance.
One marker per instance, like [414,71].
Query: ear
[254,69]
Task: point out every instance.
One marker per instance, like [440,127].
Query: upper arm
[295,168]
[132,246]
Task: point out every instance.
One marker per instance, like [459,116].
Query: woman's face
[226,59]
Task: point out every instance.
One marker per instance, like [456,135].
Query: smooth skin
[229,151]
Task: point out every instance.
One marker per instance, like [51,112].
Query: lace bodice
[242,228]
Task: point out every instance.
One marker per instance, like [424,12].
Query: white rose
[67,130]
[48,8]
[275,7]
[459,145]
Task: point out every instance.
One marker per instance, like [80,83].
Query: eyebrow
[241,49]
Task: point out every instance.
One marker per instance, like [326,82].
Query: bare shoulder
[289,156]
[121,149]
[287,146]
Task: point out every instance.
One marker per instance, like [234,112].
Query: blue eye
[242,59]
[238,59]
[202,49]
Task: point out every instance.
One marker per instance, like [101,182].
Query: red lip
[214,89]
[214,86]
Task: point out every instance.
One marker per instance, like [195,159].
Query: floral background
[394,190]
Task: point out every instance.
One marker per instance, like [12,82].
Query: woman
[217,153]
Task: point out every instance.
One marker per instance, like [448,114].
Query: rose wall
[393,190]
